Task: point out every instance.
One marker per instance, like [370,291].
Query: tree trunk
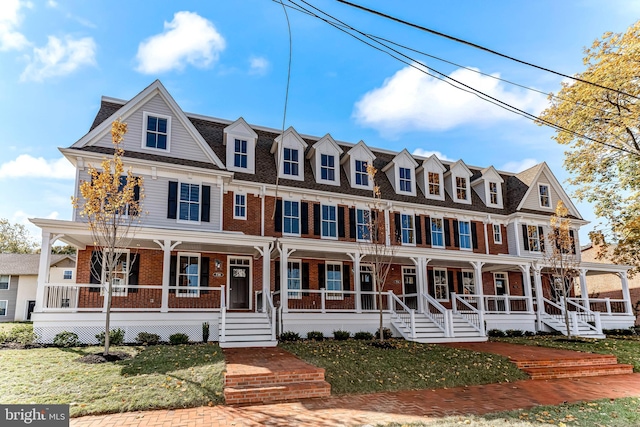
[107,319]
[380,334]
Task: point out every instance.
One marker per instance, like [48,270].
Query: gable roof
[26,264]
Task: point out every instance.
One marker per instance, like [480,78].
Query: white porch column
[43,268]
[477,278]
[167,247]
[625,291]
[420,280]
[526,285]
[265,252]
[537,279]
[387,231]
[487,227]
[516,234]
[584,290]
[356,257]
[284,282]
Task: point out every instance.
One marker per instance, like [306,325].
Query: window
[240,206]
[4,282]
[405,180]
[362,177]
[464,231]
[497,234]
[545,200]
[468,282]
[440,285]
[334,280]
[240,154]
[501,282]
[294,279]
[406,222]
[119,274]
[437,233]
[157,132]
[329,221]
[434,183]
[3,307]
[327,167]
[188,274]
[493,193]
[291,217]
[67,275]
[363,224]
[189,202]
[290,162]
[534,238]
[461,188]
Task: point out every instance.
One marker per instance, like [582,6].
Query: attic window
[290,166]
[434,183]
[240,154]
[157,132]
[493,193]
[461,188]
[545,200]
[405,180]
[362,178]
[327,167]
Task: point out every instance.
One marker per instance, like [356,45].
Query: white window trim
[230,265]
[6,307]
[498,193]
[454,186]
[548,196]
[251,153]
[300,162]
[64,273]
[336,169]
[322,236]
[473,277]
[235,194]
[234,152]
[446,284]
[369,185]
[103,274]
[539,251]
[333,294]
[177,284]
[412,181]
[444,244]
[506,282]
[293,293]
[413,229]
[299,218]
[409,271]
[428,195]
[366,225]
[145,115]
[470,248]
[8,282]
[188,221]
[499,233]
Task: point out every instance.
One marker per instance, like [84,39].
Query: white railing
[591,319]
[578,316]
[404,314]
[323,300]
[271,314]
[438,314]
[507,304]
[461,305]
[223,317]
[605,306]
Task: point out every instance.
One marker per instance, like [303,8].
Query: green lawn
[357,367]
[156,377]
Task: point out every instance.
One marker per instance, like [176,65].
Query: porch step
[246,330]
[547,373]
[426,331]
[276,393]
[583,328]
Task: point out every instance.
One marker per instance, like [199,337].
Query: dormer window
[290,166]
[362,177]
[240,140]
[240,154]
[157,131]
[461,188]
[405,180]
[430,178]
[434,183]
[493,193]
[327,167]
[545,198]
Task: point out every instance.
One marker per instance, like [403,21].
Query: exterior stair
[426,331]
[558,324]
[592,366]
[246,329]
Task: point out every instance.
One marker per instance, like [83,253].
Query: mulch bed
[101,358]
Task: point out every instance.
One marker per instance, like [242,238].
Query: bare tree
[111,201]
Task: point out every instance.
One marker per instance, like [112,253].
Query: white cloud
[519,166]
[10,18]
[188,39]
[22,217]
[413,101]
[428,153]
[52,4]
[37,167]
[59,58]
[258,65]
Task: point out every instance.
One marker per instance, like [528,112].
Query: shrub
[341,335]
[513,333]
[529,333]
[548,333]
[205,332]
[619,332]
[290,336]
[116,337]
[66,339]
[21,334]
[365,336]
[496,333]
[179,338]
[147,338]
[386,333]
[315,336]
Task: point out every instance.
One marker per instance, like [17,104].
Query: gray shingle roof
[24,264]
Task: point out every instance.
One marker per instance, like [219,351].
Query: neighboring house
[19,280]
[257,231]
[605,287]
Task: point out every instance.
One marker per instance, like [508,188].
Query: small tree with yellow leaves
[561,257]
[375,245]
[111,203]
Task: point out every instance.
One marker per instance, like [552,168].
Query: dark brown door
[30,307]
[366,285]
[239,288]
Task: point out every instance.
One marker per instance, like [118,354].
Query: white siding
[533,200]
[511,238]
[479,189]
[26,292]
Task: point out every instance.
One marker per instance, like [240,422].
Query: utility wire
[477,46]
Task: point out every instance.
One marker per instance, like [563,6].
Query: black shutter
[346,277]
[430,287]
[460,290]
[427,229]
[305,278]
[316,219]
[134,273]
[205,207]
[277,275]
[321,283]
[447,233]
[341,230]
[418,230]
[456,234]
[304,218]
[136,198]
[172,201]
[474,235]
[541,237]
[450,281]
[95,270]
[525,237]
[398,228]
[204,274]
[352,223]
[173,273]
[277,220]
[573,242]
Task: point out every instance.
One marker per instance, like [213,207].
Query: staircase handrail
[402,314]
[586,315]
[476,318]
[271,314]
[596,318]
[440,317]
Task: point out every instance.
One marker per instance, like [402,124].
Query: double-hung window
[188,276]
[493,193]
[468,282]
[437,233]
[67,275]
[434,183]
[119,274]
[189,202]
[334,280]
[362,177]
[534,238]
[157,133]
[294,279]
[4,282]
[329,221]
[3,307]
[291,217]
[461,188]
[363,224]
[408,236]
[327,167]
[545,200]
[240,154]
[290,166]
[240,206]
[405,180]
[440,284]
[497,234]
[464,231]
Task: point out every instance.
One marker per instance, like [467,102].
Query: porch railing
[578,316]
[271,314]
[223,316]
[591,319]
[461,304]
[506,304]
[324,300]
[438,314]
[404,314]
[605,306]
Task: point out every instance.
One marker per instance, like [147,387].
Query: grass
[601,413]
[353,367]
[156,377]
[626,349]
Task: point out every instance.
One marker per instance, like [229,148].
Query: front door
[367,298]
[30,306]
[239,288]
[410,287]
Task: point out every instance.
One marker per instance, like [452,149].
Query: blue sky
[229,59]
